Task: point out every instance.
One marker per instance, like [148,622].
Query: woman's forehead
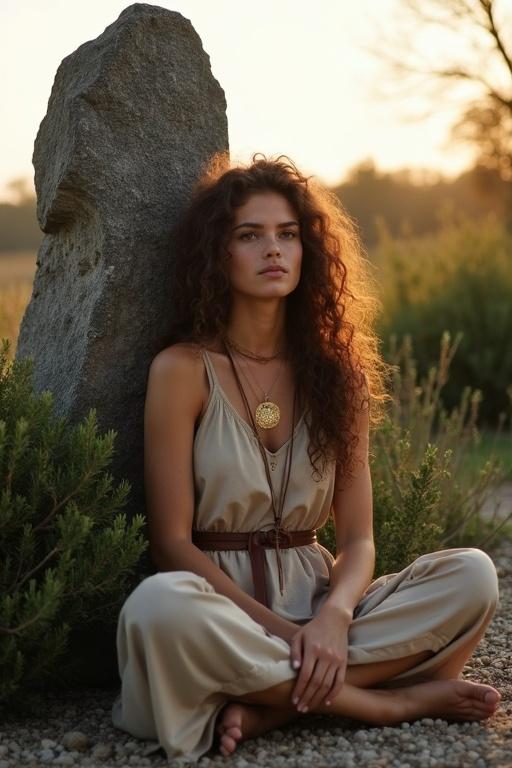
[265,204]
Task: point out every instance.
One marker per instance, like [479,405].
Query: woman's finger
[296,651]
[337,683]
[315,685]
[324,688]
[306,670]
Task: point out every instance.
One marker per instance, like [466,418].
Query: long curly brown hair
[329,316]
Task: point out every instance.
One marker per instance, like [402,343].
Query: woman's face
[265,232]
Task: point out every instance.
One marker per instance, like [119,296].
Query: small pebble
[64,759]
[102,751]
[75,740]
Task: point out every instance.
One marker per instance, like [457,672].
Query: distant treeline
[19,230]
[417,209]
[367,194]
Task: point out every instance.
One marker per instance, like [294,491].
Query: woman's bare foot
[450,700]
[239,721]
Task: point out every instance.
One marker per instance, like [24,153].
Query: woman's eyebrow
[260,226]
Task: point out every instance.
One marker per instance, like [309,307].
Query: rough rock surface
[132,117]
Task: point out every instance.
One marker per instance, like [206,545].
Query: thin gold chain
[248,353]
[266,393]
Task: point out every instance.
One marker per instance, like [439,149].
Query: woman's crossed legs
[439,693]
[255,713]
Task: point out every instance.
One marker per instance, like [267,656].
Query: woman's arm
[353,516]
[321,647]
[183,555]
[173,403]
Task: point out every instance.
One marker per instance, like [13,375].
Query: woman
[257,424]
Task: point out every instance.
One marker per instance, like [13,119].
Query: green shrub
[459,280]
[425,495]
[66,549]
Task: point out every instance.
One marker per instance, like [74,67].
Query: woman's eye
[248,235]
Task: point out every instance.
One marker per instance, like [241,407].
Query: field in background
[17,271]
[17,267]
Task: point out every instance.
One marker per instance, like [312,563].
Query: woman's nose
[273,246]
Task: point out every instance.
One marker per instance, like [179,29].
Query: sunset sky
[296,75]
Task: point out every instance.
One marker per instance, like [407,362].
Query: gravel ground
[77,729]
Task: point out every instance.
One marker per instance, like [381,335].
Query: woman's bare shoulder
[177,356]
[176,374]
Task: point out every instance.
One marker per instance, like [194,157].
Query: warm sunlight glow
[297,76]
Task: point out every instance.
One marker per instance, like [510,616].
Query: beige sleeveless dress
[232,494]
[184,649]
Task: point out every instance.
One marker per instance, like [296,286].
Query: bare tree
[438,47]
[488,126]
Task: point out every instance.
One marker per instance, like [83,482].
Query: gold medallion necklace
[268,413]
[276,508]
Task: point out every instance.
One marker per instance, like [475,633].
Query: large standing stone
[132,117]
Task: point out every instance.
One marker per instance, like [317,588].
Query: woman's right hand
[320,650]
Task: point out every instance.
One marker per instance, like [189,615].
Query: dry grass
[17,271]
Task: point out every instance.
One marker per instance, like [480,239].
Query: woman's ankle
[370,705]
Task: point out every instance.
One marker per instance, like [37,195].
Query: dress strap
[210,370]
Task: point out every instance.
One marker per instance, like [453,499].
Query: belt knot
[274,535]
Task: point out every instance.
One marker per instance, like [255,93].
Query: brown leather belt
[255,542]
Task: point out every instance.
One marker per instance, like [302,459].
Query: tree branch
[462,74]
[488,8]
[37,568]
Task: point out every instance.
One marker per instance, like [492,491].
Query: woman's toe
[492,697]
[228,743]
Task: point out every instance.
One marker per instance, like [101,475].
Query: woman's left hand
[320,647]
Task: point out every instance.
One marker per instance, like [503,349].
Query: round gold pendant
[267,415]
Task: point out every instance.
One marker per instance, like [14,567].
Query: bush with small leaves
[424,496]
[66,548]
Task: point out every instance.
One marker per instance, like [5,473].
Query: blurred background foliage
[458,279]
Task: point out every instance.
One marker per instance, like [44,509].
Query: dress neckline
[245,425]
